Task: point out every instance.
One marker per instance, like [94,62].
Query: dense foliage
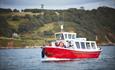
[87,23]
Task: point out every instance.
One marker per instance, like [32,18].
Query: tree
[82,8]
[15,10]
[5,29]
[5,10]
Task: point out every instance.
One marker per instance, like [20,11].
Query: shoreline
[26,47]
[30,47]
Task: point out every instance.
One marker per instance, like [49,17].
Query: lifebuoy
[56,44]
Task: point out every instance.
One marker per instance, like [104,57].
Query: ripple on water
[30,59]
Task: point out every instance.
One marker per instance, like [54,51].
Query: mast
[61,27]
[60,23]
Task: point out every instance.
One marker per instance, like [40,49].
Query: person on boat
[69,44]
[43,52]
[48,44]
[61,44]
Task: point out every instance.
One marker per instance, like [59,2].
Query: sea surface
[30,59]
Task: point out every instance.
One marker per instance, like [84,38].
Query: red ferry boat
[68,46]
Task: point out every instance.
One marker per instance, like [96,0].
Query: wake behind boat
[67,46]
[54,59]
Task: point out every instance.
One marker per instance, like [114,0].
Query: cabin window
[59,36]
[83,45]
[88,45]
[77,44]
[69,36]
[65,36]
[93,45]
[73,36]
[62,37]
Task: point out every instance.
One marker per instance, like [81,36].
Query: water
[30,59]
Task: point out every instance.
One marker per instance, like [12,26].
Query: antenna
[60,23]
[42,6]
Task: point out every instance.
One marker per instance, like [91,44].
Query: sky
[56,4]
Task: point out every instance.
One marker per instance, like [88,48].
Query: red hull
[70,54]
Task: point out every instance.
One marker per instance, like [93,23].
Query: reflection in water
[30,59]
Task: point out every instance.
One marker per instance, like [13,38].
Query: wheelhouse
[65,36]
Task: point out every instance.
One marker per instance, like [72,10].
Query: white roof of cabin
[66,32]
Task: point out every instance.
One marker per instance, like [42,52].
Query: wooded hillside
[37,23]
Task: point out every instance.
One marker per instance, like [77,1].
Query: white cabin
[71,41]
